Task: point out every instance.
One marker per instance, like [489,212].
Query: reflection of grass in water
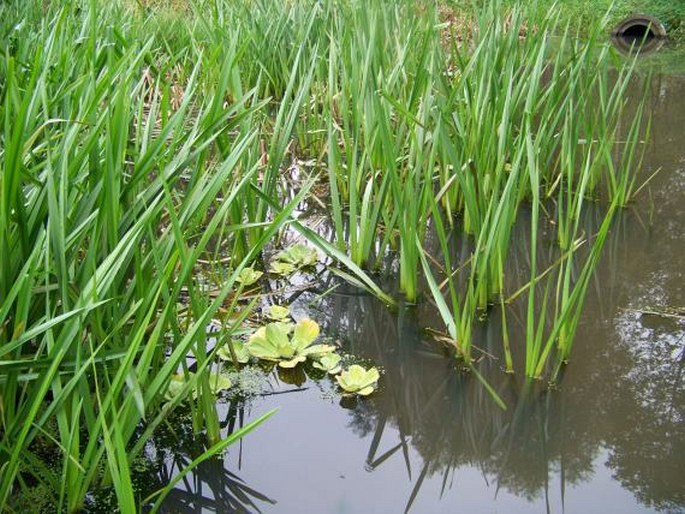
[669,60]
[545,433]
[211,485]
[518,448]
[452,422]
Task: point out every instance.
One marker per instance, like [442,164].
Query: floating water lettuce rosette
[275,343]
[329,363]
[292,259]
[278,312]
[217,382]
[358,380]
[239,352]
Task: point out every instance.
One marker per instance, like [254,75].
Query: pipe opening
[639,34]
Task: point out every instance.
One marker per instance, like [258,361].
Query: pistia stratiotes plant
[329,362]
[234,351]
[278,313]
[292,259]
[289,346]
[249,276]
[358,380]
[217,382]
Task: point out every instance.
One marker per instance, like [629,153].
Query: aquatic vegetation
[249,276]
[181,382]
[292,259]
[176,385]
[329,362]
[112,201]
[143,177]
[358,380]
[278,312]
[274,342]
[234,351]
[219,382]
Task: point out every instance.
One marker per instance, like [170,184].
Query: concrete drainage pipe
[639,33]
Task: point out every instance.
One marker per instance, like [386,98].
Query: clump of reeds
[111,193]
[133,147]
[416,134]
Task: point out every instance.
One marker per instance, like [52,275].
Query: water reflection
[609,437]
[621,398]
[211,487]
[613,397]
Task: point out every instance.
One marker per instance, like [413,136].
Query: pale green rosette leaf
[329,362]
[219,382]
[300,255]
[241,352]
[357,380]
[281,268]
[366,391]
[318,350]
[249,276]
[278,336]
[176,385]
[293,258]
[306,332]
[278,312]
[292,362]
[259,346]
[273,342]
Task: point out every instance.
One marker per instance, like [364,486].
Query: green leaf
[276,335]
[306,332]
[259,346]
[357,380]
[329,362]
[298,255]
[285,326]
[219,382]
[241,352]
[292,362]
[318,350]
[176,385]
[278,312]
[248,276]
[273,342]
[281,268]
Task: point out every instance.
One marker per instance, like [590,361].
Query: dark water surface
[610,438]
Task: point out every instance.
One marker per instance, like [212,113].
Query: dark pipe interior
[638,31]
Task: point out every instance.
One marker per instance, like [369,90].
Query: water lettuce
[217,382]
[293,258]
[278,313]
[241,352]
[358,380]
[248,276]
[274,342]
[329,362]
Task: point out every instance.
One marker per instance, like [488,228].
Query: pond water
[610,437]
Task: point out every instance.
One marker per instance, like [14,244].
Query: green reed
[523,126]
[115,182]
[136,144]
